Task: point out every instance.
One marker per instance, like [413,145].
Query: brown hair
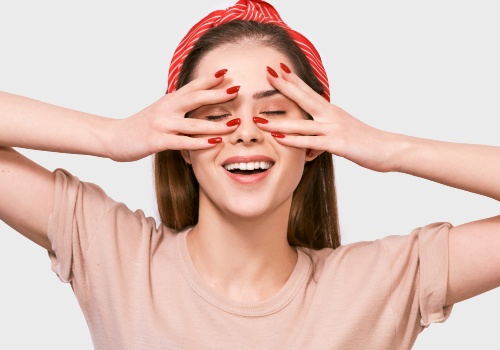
[313,220]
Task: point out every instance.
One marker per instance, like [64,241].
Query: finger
[302,94]
[301,127]
[180,142]
[293,78]
[318,143]
[198,98]
[311,95]
[312,103]
[203,83]
[188,126]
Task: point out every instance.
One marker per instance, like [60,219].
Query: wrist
[106,132]
[410,154]
[399,151]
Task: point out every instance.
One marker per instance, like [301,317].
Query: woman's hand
[332,130]
[163,125]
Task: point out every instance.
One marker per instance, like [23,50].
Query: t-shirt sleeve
[78,209]
[418,266]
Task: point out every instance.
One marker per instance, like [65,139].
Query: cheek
[296,161]
[201,161]
[292,154]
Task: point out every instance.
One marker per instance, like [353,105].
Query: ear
[186,155]
[311,154]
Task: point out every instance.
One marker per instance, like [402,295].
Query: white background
[426,68]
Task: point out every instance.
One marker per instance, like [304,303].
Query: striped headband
[248,10]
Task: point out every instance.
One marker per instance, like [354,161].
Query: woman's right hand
[163,125]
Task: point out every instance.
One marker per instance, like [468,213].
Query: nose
[247,132]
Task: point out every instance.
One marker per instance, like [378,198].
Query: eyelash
[273,112]
[222,116]
[216,117]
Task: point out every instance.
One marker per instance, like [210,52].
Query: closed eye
[216,117]
[273,112]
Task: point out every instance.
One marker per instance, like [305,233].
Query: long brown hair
[313,220]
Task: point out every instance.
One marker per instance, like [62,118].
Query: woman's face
[277,169]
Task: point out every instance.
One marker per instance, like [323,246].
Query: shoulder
[385,253]
[344,253]
[85,208]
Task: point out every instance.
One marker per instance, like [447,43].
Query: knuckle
[192,123]
[182,143]
[196,97]
[159,123]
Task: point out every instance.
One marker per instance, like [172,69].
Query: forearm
[474,168]
[28,123]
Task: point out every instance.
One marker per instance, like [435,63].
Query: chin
[246,214]
[252,209]
[248,205]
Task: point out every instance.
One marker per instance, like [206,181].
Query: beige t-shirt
[139,289]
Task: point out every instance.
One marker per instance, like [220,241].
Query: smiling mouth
[248,168]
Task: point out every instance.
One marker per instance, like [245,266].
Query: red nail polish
[215,140]
[220,73]
[278,135]
[233,90]
[259,120]
[272,72]
[285,68]
[233,122]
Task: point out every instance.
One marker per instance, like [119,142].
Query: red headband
[248,10]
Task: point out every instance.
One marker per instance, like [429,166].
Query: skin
[47,127]
[242,250]
[474,262]
[244,254]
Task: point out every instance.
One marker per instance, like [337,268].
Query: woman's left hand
[473,259]
[332,129]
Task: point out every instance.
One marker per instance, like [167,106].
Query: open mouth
[248,168]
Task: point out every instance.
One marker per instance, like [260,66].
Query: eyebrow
[256,96]
[262,94]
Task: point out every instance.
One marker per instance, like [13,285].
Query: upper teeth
[248,166]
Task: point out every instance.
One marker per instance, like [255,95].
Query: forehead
[242,60]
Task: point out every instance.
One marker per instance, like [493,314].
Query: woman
[283,141]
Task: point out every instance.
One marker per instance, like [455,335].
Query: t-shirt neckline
[265,307]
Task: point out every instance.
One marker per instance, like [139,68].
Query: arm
[473,168]
[33,124]
[17,198]
[474,262]
[26,187]
[28,123]
[474,259]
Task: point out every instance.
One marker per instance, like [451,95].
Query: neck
[242,258]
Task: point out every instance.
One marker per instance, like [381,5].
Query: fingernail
[260,120]
[272,72]
[220,73]
[233,122]
[278,135]
[285,68]
[233,90]
[215,140]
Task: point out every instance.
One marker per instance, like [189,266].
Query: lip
[248,179]
[246,159]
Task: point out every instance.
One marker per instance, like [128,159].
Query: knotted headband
[248,10]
